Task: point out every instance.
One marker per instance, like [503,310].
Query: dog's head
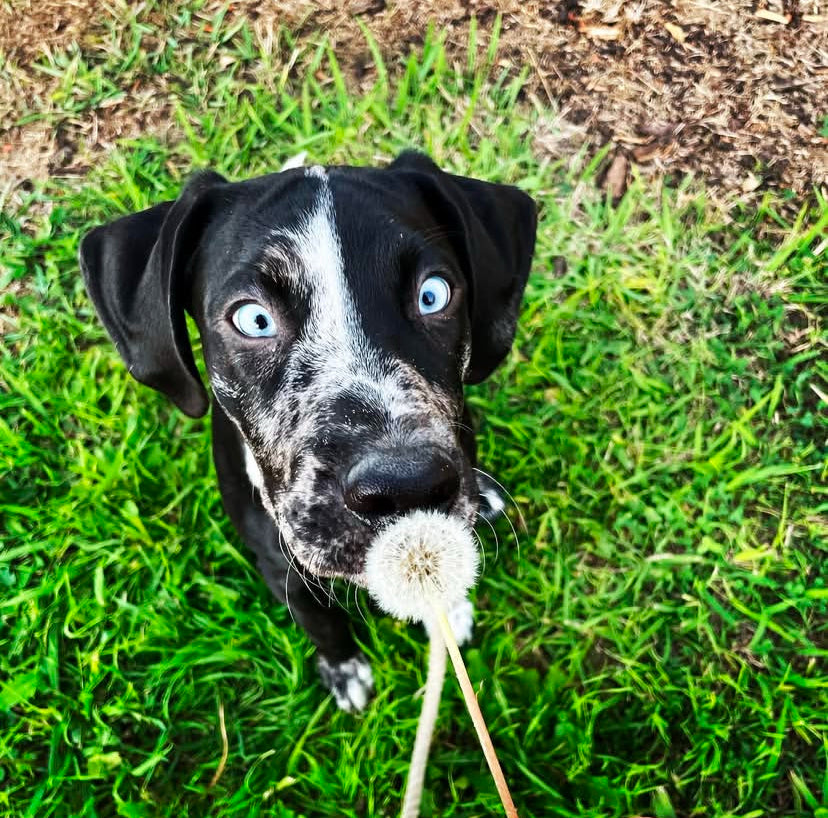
[341,310]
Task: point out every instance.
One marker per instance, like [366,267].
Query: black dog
[341,310]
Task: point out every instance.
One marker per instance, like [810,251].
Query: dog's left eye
[255,321]
[435,294]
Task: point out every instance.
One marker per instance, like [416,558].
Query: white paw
[351,681]
[461,619]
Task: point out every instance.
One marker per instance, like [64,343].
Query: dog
[341,311]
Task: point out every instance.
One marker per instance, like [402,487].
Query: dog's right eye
[254,321]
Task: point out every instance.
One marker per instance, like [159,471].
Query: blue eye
[254,321]
[435,294]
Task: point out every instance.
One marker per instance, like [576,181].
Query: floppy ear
[136,270]
[494,233]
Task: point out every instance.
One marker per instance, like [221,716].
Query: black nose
[400,480]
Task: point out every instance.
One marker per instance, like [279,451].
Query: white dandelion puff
[422,559]
[417,568]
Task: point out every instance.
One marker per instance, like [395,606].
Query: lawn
[652,627]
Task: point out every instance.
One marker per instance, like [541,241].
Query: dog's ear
[493,230]
[136,270]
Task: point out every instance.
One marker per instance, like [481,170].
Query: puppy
[341,311]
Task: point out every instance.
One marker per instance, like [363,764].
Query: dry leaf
[646,153]
[600,32]
[764,14]
[751,183]
[616,180]
[676,32]
[365,6]
[657,128]
[819,393]
[559,266]
[630,139]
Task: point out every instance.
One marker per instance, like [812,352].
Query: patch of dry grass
[734,90]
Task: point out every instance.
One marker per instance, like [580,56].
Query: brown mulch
[735,91]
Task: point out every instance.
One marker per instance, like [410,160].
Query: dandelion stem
[475,713]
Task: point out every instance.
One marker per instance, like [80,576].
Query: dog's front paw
[461,619]
[351,681]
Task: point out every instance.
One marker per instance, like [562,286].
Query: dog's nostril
[396,481]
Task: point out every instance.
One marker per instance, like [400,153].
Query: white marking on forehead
[333,337]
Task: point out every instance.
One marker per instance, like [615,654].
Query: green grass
[653,642]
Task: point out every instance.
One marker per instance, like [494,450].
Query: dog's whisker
[332,597]
[503,488]
[313,566]
[480,547]
[494,534]
[287,582]
[316,563]
[359,607]
[309,578]
[455,424]
[308,573]
[505,515]
[514,530]
[294,564]
[348,587]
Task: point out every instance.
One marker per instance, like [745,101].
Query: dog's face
[345,383]
[341,311]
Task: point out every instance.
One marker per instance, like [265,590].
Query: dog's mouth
[342,554]
[333,502]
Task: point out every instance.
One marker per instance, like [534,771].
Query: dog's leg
[342,666]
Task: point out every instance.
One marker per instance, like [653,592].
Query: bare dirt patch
[735,91]
[28,28]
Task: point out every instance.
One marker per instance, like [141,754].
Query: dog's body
[341,311]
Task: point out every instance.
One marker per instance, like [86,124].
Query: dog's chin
[315,559]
